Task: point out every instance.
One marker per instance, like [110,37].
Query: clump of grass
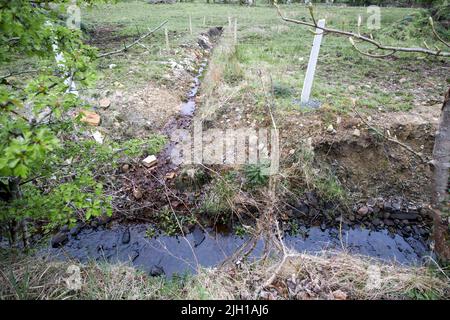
[304,175]
[281,90]
[191,179]
[220,197]
[233,72]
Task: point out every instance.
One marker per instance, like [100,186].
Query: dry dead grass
[328,276]
[302,276]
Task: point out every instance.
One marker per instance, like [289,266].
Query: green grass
[280,49]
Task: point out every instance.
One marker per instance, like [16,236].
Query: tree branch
[126,47]
[377,44]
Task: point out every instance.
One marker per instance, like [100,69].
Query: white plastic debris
[98,137]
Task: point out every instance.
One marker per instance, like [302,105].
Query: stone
[302,208]
[376,222]
[59,239]
[330,129]
[103,219]
[339,295]
[170,175]
[397,205]
[150,161]
[126,237]
[90,117]
[75,230]
[351,88]
[312,200]
[387,206]
[125,168]
[105,103]
[137,193]
[156,271]
[363,210]
[386,215]
[356,133]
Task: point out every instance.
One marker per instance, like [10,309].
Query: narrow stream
[168,255]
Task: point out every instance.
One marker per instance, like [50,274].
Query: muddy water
[199,248]
[188,108]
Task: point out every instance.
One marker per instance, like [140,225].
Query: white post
[190,24]
[166,33]
[235,30]
[309,78]
[204,21]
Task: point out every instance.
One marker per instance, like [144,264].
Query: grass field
[280,49]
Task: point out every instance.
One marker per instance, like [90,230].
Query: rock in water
[157,271]
[59,239]
[126,236]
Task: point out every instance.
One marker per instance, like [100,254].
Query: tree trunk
[441,168]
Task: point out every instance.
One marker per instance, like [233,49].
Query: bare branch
[370,54]
[436,34]
[126,47]
[12,74]
[377,44]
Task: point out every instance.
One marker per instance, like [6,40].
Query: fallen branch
[126,47]
[375,43]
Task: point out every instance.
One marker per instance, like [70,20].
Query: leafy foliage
[38,129]
[255,174]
